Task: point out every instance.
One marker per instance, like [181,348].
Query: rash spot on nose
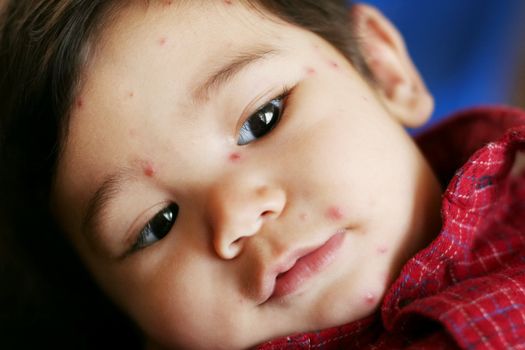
[334,213]
[234,157]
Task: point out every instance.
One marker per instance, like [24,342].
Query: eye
[262,121]
[158,227]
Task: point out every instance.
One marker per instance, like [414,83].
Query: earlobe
[397,81]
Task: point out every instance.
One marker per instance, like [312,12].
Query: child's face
[325,178]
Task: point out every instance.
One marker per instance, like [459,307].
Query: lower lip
[307,266]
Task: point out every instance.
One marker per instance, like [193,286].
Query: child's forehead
[187,31]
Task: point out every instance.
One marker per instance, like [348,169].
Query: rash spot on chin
[334,213]
[370,298]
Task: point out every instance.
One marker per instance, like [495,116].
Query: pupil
[265,118]
[161,224]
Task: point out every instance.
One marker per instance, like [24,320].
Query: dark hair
[44,47]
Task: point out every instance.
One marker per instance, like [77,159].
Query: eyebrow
[109,189]
[220,77]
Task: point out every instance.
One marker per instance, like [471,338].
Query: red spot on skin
[80,103]
[148,169]
[370,298]
[382,249]
[228,2]
[333,64]
[303,217]
[234,157]
[310,71]
[162,41]
[334,213]
[131,94]
[168,2]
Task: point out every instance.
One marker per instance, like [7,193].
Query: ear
[398,82]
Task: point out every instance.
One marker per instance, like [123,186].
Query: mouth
[303,266]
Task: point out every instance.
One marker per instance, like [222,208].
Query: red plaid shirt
[467,289]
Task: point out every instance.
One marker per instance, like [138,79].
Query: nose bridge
[238,206]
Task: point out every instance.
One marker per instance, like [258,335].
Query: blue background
[466,50]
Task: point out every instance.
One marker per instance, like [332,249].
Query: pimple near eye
[148,168]
[234,157]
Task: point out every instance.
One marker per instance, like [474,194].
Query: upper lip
[285,263]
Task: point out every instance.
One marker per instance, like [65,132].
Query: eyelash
[263,120]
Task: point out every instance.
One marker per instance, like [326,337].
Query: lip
[302,265]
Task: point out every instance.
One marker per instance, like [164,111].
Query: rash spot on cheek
[382,249]
[334,213]
[162,41]
[234,157]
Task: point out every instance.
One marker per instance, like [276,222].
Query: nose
[238,211]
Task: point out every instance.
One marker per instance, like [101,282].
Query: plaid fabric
[467,289]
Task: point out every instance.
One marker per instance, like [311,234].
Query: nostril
[266,213]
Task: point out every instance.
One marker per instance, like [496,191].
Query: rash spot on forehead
[334,213]
[333,64]
[148,169]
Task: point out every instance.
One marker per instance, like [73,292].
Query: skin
[338,163]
